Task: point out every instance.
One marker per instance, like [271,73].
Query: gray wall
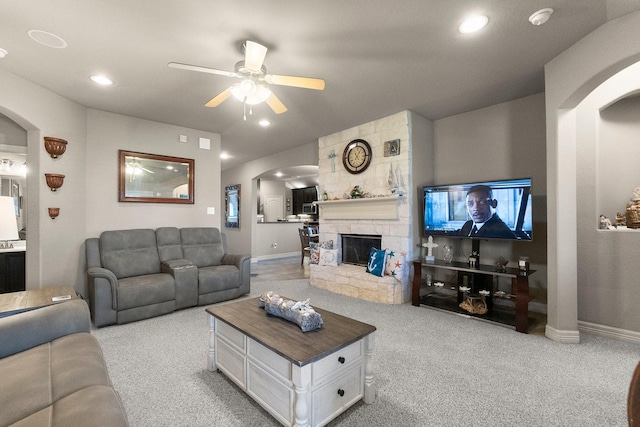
[88,198]
[243,240]
[586,289]
[106,134]
[503,141]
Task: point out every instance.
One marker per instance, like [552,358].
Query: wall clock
[357,156]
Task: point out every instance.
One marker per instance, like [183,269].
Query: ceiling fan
[253,87]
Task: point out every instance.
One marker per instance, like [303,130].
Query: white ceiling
[377,57]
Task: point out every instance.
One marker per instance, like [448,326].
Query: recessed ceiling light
[3,53]
[101,80]
[47,39]
[224,155]
[473,24]
[278,174]
[541,16]
[264,123]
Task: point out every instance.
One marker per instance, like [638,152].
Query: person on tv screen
[484,221]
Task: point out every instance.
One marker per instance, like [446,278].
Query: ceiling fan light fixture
[249,92]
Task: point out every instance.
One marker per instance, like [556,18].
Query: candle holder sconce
[54,212]
[55,146]
[54,180]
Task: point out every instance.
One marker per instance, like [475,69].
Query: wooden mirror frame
[122,181]
[231,194]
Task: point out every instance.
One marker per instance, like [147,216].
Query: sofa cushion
[130,253]
[35,378]
[202,245]
[145,290]
[218,278]
[169,243]
[96,405]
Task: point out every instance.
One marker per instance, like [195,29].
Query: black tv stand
[450,296]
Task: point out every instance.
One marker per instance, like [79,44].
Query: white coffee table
[302,379]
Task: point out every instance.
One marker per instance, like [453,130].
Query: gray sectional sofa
[52,371]
[141,273]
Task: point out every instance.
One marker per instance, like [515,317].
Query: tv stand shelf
[449,297]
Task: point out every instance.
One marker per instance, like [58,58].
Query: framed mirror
[232,206]
[152,178]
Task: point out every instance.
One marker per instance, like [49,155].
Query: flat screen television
[498,209]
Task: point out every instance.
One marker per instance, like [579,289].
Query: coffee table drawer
[270,360]
[272,394]
[338,395]
[335,361]
[230,361]
[231,334]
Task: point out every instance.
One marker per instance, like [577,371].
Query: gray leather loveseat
[141,273]
[52,371]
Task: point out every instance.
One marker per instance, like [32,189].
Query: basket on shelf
[633,214]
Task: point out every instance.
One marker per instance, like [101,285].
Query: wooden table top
[286,338]
[16,302]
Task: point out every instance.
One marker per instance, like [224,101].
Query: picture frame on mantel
[392,148]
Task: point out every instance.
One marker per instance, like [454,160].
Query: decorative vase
[448,254]
[54,180]
[54,212]
[55,146]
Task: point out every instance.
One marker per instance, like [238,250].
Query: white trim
[259,258]
[565,337]
[609,332]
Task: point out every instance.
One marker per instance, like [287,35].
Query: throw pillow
[328,257]
[314,250]
[396,263]
[377,261]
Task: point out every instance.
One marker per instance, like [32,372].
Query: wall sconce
[54,180]
[55,146]
[54,212]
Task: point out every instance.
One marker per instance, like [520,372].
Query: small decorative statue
[620,220]
[356,192]
[429,245]
[501,265]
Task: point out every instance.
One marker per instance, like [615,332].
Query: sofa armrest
[103,273]
[243,262]
[29,329]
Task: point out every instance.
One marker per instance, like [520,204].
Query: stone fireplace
[385,211]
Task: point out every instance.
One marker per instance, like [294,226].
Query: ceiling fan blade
[303,82]
[220,98]
[276,105]
[254,54]
[202,69]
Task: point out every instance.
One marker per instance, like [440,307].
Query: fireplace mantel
[385,207]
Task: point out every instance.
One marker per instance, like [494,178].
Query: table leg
[211,356]
[369,377]
[301,382]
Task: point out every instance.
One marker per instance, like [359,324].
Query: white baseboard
[259,258]
[608,332]
[566,337]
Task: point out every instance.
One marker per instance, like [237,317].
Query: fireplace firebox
[356,247]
